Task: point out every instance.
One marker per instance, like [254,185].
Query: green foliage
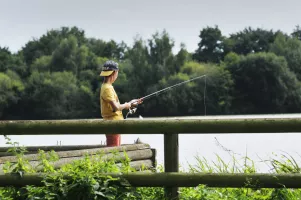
[11,87]
[211,47]
[182,56]
[22,165]
[193,98]
[286,164]
[147,66]
[231,59]
[5,59]
[82,179]
[51,94]
[42,64]
[63,56]
[252,40]
[109,49]
[160,56]
[290,48]
[297,32]
[161,48]
[264,84]
[139,69]
[48,43]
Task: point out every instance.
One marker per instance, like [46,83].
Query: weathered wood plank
[158,126]
[56,148]
[132,155]
[80,153]
[171,161]
[182,180]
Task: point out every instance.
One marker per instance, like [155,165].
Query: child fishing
[111,108]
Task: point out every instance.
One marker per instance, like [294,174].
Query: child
[111,109]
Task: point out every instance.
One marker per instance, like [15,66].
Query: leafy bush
[85,182]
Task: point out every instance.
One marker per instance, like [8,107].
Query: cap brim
[106,73]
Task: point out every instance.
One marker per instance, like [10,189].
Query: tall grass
[283,163]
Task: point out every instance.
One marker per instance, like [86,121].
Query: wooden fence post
[171,161]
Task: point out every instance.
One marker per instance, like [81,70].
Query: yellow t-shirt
[107,94]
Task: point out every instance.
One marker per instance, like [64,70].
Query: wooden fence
[171,127]
[140,155]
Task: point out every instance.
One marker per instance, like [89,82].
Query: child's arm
[117,106]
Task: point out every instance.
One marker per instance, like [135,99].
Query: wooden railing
[171,127]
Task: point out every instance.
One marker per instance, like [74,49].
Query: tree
[97,46]
[160,55]
[11,87]
[81,58]
[212,93]
[10,61]
[211,45]
[181,57]
[42,64]
[209,95]
[264,84]
[290,48]
[69,57]
[114,50]
[49,94]
[63,56]
[83,103]
[231,59]
[297,32]
[5,59]
[47,43]
[160,48]
[110,49]
[251,40]
[139,70]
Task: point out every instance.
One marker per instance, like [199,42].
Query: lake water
[256,146]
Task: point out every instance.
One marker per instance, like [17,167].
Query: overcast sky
[21,20]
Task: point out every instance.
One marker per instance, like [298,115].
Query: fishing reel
[132,110]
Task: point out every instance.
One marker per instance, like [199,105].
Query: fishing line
[170,87]
[133,109]
[205,96]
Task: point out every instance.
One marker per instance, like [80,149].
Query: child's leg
[113,140]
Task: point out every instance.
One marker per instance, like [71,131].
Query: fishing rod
[133,109]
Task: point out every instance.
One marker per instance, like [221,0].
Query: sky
[123,20]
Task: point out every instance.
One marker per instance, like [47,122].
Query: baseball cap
[109,67]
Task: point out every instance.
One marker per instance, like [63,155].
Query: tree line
[56,76]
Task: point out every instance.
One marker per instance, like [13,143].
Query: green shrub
[85,182]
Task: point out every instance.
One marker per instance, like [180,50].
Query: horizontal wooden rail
[131,150]
[154,126]
[181,180]
[56,148]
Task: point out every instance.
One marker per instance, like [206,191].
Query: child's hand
[135,102]
[128,105]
